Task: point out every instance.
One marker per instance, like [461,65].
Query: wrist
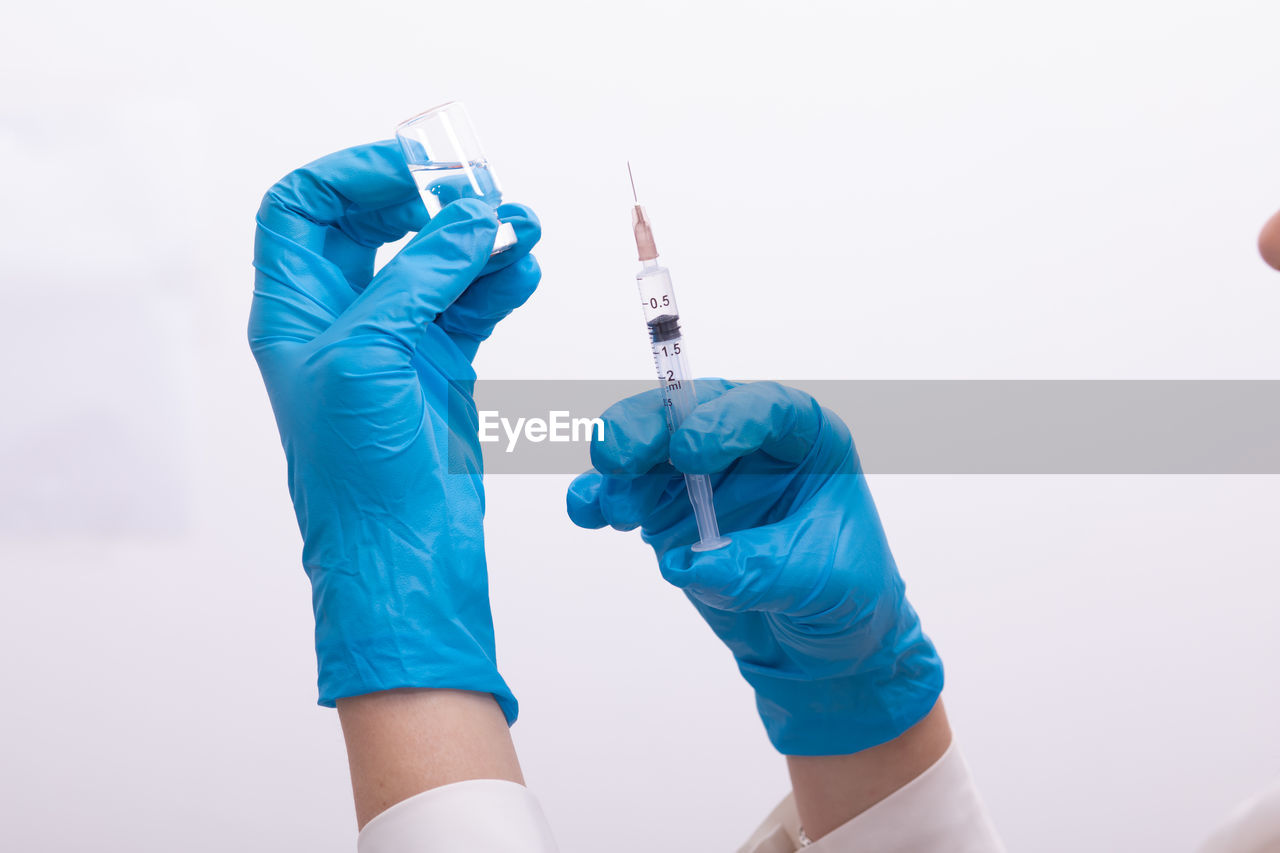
[832,790]
[403,742]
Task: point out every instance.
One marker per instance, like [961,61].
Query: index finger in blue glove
[424,279]
[371,228]
[583,500]
[635,436]
[354,183]
[318,228]
[528,230]
[764,416]
[623,503]
[510,278]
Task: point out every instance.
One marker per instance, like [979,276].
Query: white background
[844,190]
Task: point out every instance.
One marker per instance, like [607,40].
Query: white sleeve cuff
[1253,828]
[937,812]
[477,816]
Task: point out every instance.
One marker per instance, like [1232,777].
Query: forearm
[403,742]
[831,790]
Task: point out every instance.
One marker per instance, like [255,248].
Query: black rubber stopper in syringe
[664,328]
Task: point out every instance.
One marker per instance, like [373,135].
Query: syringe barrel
[662,316]
[657,296]
[673,374]
[667,342]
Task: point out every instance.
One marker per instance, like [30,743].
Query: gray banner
[941,427]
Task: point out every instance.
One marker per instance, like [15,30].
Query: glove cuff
[839,716]
[416,637]
[385,665]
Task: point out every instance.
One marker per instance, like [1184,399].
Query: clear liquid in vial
[441,183]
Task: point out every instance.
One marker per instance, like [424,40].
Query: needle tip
[633,183]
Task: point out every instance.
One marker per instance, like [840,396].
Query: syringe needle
[646,249]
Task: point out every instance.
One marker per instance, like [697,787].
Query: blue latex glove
[806,595]
[370,379]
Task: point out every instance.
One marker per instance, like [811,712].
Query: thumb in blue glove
[806,595]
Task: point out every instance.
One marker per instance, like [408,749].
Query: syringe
[658,298]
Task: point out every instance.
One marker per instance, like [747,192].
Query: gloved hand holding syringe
[670,357]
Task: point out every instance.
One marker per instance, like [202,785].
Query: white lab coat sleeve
[937,812]
[477,816]
[1254,827]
